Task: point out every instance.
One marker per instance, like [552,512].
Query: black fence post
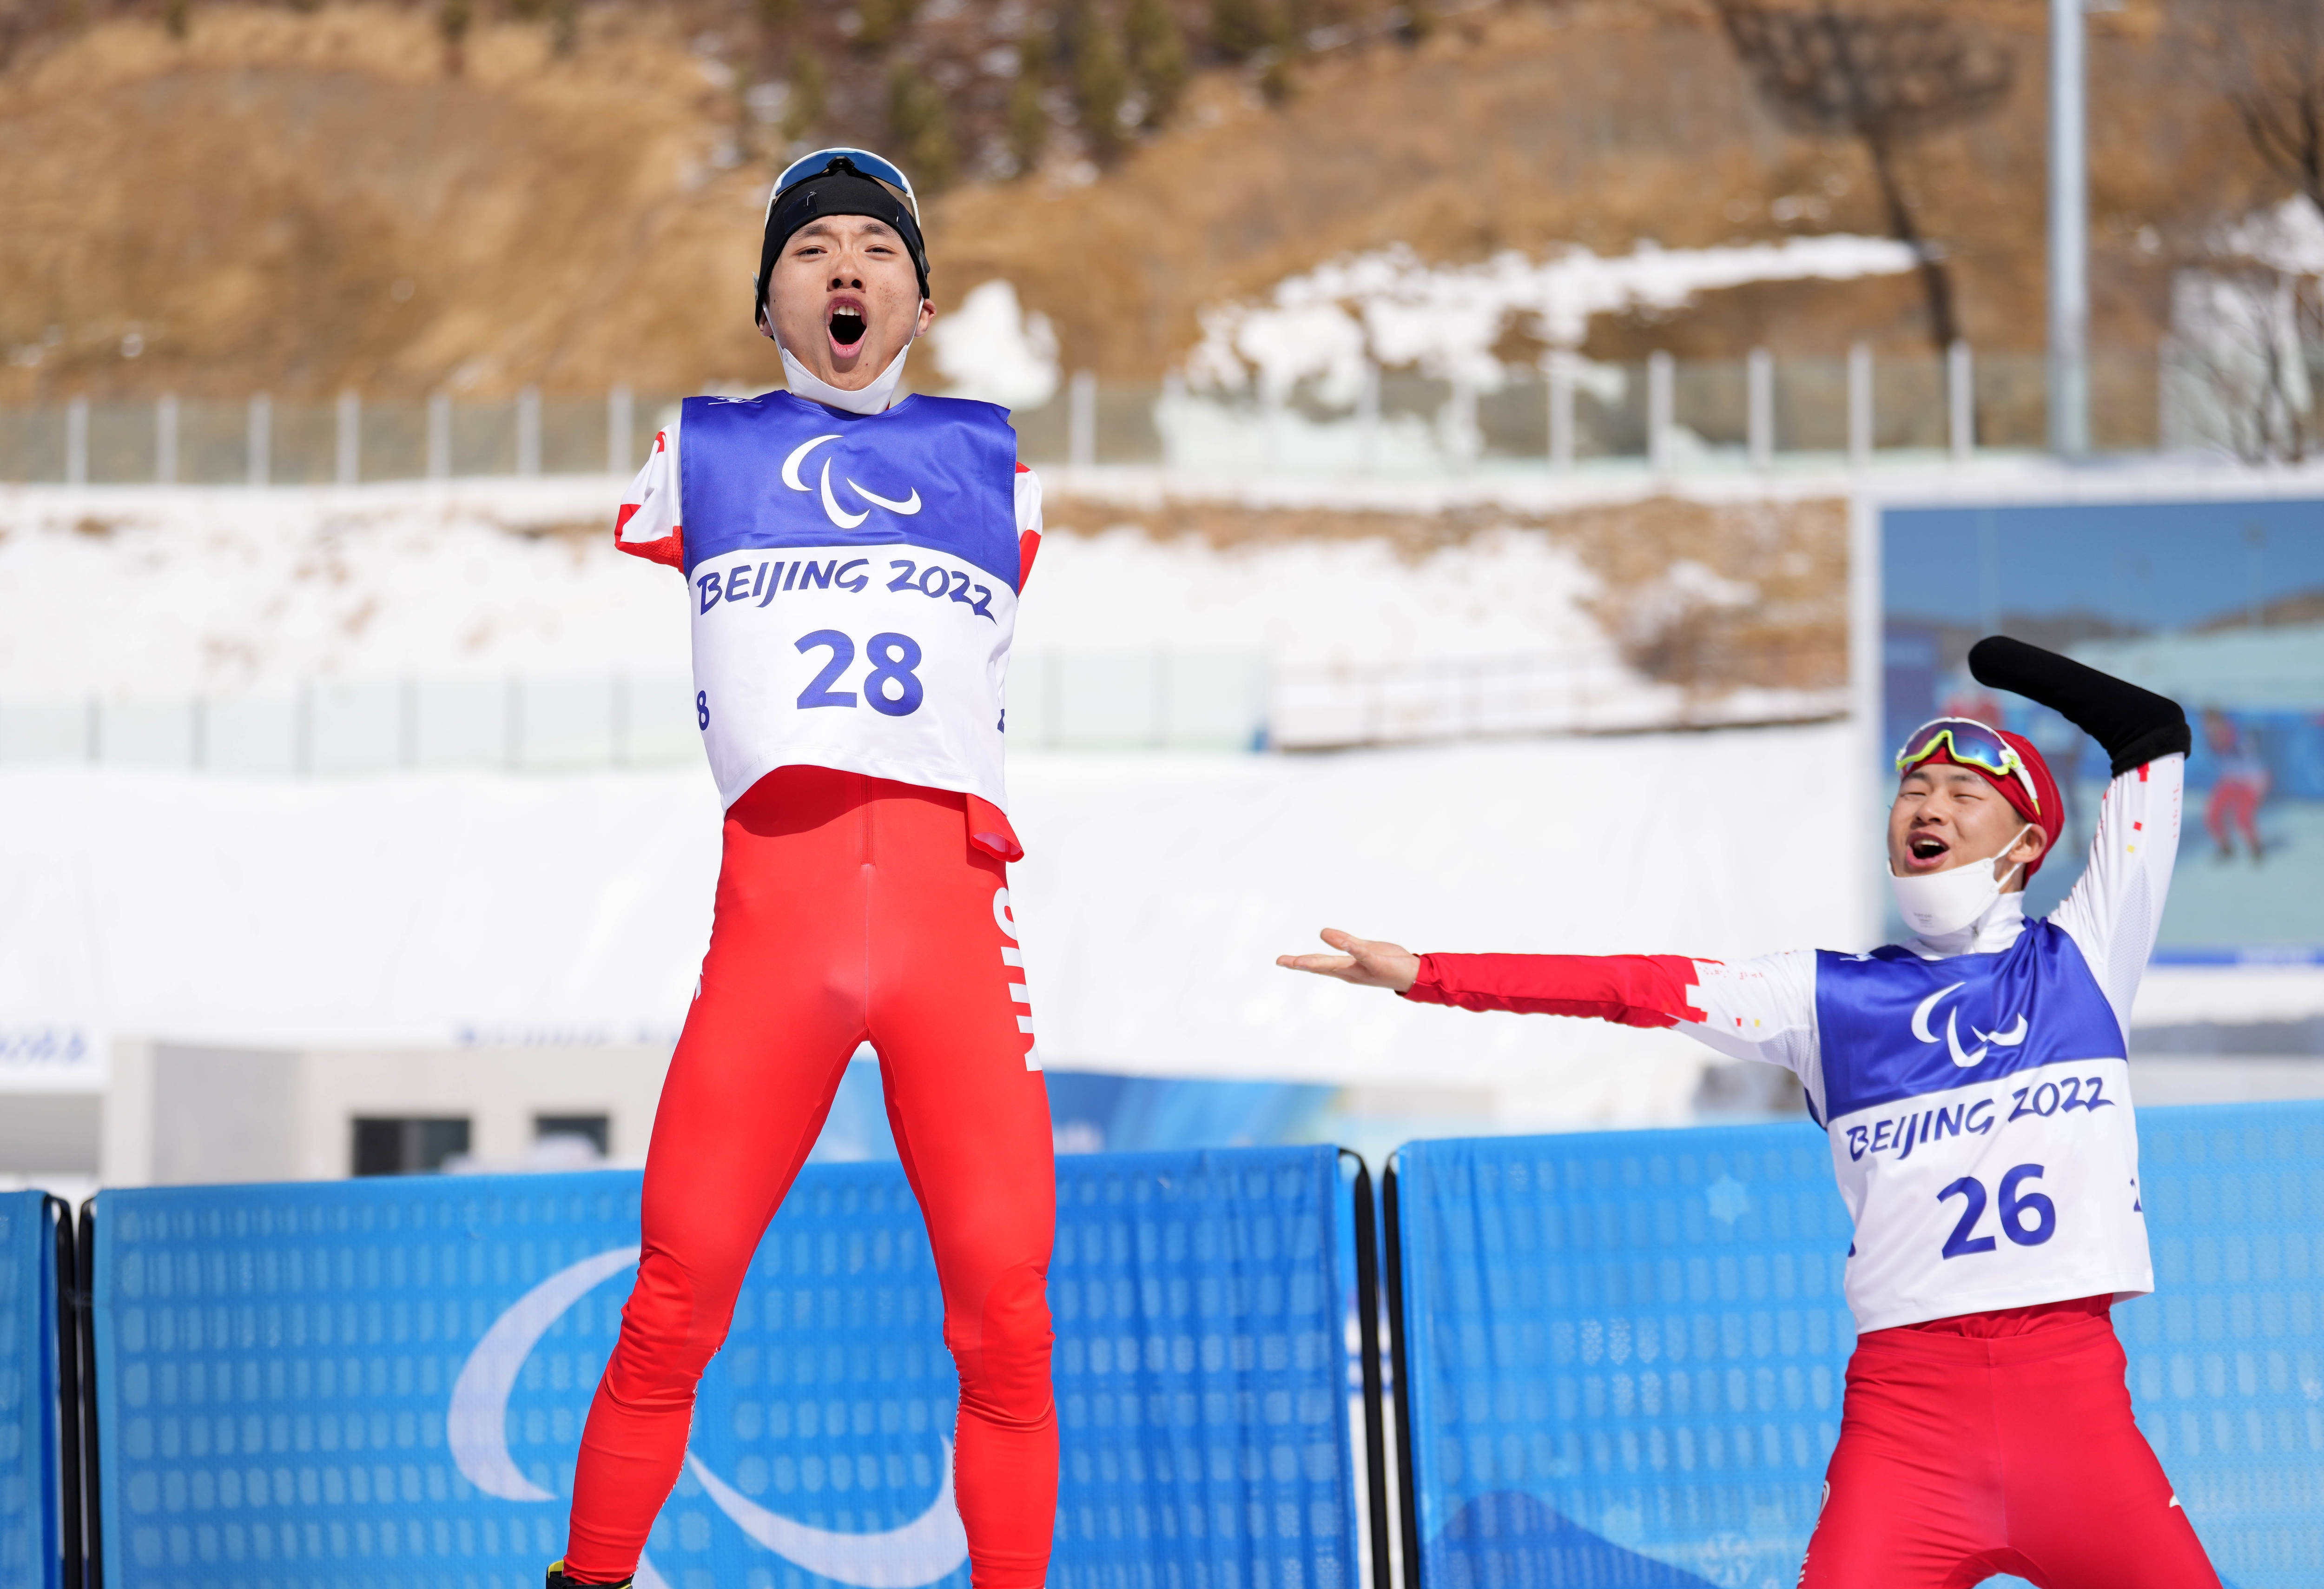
[1366,1235]
[69,1308]
[92,1508]
[1408,1507]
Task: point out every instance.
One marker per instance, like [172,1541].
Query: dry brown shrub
[249,198]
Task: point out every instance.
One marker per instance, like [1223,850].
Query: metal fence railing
[1093,700]
[328,728]
[1320,706]
[1158,701]
[347,441]
[1571,412]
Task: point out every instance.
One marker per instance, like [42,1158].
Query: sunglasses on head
[861,161]
[1971,743]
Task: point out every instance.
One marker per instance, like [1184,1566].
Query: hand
[1361,961]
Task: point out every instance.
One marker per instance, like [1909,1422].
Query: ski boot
[558,1580]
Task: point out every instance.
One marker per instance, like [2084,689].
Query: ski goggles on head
[861,183]
[1971,743]
[861,161]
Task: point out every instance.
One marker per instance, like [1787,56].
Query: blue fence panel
[2226,1358]
[1202,1371]
[382,1383]
[1626,1351]
[29,1472]
[1623,1354]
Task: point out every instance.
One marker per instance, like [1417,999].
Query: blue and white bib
[1981,1129]
[852,587]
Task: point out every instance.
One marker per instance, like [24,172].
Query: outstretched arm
[2116,910]
[1762,1008]
[1361,961]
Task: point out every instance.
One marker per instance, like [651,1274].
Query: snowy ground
[141,592]
[441,908]
[223,591]
[387,625]
[433,909]
[149,591]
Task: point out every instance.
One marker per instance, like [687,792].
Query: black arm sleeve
[2135,725]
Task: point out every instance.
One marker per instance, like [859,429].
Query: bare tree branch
[2268,58]
[1884,79]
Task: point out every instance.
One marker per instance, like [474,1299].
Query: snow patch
[171,592]
[2288,237]
[1390,307]
[1507,592]
[988,348]
[232,592]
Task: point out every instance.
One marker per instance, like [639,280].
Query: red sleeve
[671,548]
[1635,990]
[1028,547]
[989,830]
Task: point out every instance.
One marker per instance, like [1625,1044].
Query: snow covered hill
[152,591]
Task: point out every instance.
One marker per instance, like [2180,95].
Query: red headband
[2051,818]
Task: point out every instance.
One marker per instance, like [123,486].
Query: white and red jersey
[852,584]
[1976,1090]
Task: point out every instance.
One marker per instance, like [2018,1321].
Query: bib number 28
[2027,1218]
[891,688]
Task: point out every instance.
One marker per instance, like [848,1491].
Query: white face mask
[870,399]
[1935,903]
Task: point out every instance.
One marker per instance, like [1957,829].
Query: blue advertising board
[2219,604]
[2226,1358]
[1620,1354]
[382,1383]
[29,1472]
[1623,1352]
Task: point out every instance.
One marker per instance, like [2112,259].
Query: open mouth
[847,327]
[1927,849]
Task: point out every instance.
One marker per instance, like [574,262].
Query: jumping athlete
[1973,1083]
[852,569]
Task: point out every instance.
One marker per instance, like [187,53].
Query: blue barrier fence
[382,1383]
[1620,1356]
[2227,1359]
[32,1495]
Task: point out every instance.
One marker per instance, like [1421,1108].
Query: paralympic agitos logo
[841,519]
[1986,1040]
[929,1547]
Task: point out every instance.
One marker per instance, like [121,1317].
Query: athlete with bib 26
[1973,1084]
[852,569]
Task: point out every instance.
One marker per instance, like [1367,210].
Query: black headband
[840,189]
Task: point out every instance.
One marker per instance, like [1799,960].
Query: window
[407,1144]
[597,1129]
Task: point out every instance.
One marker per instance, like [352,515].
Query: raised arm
[2116,910]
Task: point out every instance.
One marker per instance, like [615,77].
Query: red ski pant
[849,909]
[2234,804]
[1959,1458]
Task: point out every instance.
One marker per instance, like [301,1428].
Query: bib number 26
[2027,1218]
[891,688]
